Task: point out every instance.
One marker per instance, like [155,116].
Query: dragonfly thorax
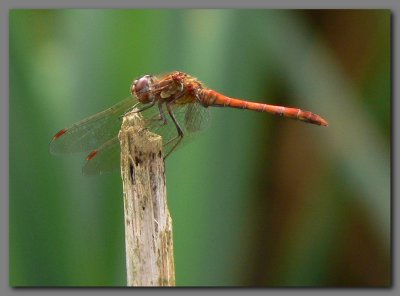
[141,88]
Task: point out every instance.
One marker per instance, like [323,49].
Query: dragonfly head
[142,87]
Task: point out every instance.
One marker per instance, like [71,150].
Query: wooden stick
[148,224]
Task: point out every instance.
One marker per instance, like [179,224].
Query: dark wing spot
[59,134]
[91,155]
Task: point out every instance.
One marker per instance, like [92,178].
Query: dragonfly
[173,105]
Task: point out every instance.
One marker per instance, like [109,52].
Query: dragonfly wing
[192,118]
[196,118]
[104,159]
[91,132]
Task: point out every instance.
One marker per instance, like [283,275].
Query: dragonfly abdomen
[213,98]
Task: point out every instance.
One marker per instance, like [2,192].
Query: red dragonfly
[174,106]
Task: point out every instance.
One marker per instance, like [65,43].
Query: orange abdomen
[213,98]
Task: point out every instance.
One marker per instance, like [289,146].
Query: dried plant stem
[148,224]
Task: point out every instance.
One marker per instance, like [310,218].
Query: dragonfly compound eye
[141,87]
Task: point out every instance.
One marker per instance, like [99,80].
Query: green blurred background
[256,200]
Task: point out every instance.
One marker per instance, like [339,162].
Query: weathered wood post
[148,224]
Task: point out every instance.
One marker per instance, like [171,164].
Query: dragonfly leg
[171,114]
[151,104]
[178,128]
[162,115]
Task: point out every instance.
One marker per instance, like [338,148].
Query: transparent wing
[104,159]
[192,118]
[196,118]
[93,131]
